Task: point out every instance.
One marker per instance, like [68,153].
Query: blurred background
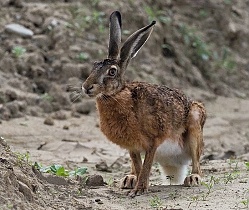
[199,46]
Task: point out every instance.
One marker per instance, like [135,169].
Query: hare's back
[159,106]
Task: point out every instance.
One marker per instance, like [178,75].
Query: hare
[141,117]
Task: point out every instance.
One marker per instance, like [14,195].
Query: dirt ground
[42,83]
[84,145]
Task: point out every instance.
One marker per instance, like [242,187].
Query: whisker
[73,88]
[121,105]
[104,98]
[74,96]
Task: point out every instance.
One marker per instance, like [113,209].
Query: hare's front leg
[143,177]
[130,181]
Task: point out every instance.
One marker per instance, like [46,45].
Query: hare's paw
[128,182]
[137,191]
[192,180]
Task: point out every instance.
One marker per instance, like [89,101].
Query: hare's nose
[88,89]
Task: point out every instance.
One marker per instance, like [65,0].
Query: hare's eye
[112,72]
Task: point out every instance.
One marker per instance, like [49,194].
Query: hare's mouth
[91,95]
[89,91]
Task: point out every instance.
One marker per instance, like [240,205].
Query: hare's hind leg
[194,142]
[130,181]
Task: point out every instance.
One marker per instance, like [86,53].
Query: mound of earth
[23,187]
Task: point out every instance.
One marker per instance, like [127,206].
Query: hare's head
[107,75]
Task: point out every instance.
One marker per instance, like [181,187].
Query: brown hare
[140,117]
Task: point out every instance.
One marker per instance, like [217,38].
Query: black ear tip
[153,22]
[116,13]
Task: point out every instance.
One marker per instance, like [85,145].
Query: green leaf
[80,171]
[46,169]
[37,166]
[247,165]
[59,170]
[62,172]
[54,168]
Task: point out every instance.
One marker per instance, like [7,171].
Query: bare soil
[201,48]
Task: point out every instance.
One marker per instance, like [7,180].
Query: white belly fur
[174,161]
[170,153]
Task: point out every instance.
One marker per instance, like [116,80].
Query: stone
[59,115]
[42,41]
[85,107]
[65,127]
[71,70]
[10,95]
[49,121]
[19,30]
[102,166]
[7,64]
[95,180]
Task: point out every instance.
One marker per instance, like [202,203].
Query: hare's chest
[117,127]
[121,128]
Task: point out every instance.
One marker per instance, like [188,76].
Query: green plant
[173,195]
[23,157]
[190,38]
[209,185]
[156,202]
[203,13]
[18,51]
[98,19]
[82,56]
[225,60]
[194,199]
[245,203]
[94,3]
[47,97]
[59,170]
[233,164]
[110,182]
[247,166]
[155,14]
[229,177]
[227,1]
[82,20]
[200,51]
[8,205]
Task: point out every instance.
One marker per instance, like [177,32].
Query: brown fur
[139,116]
[142,112]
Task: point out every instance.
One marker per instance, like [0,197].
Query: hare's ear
[115,35]
[134,43]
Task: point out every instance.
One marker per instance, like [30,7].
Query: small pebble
[66,127]
[19,30]
[99,201]
[2,141]
[102,166]
[49,121]
[95,180]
